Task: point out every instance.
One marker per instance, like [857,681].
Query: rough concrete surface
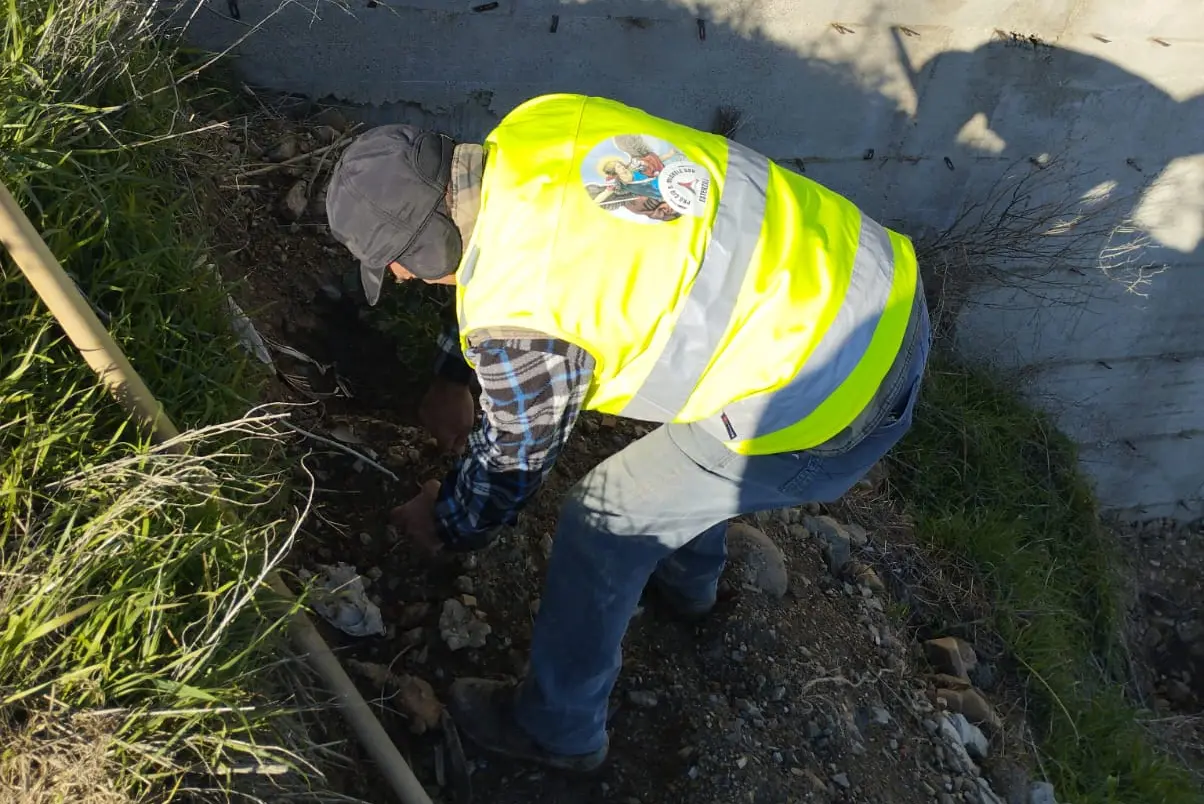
[913,109]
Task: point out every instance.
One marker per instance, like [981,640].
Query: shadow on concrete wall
[1114,129]
[460,70]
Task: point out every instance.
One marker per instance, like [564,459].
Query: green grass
[134,647]
[991,481]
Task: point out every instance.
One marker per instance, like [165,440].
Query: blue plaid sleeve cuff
[449,361]
[532,391]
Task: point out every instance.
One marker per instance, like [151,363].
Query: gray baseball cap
[385,203]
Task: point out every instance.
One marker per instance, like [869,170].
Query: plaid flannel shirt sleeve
[532,391]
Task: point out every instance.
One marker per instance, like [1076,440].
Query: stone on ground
[296,200]
[971,736]
[416,698]
[836,541]
[460,628]
[951,655]
[970,703]
[1041,793]
[756,560]
[643,698]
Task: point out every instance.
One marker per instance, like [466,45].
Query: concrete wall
[914,109]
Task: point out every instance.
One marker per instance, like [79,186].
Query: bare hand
[447,413]
[415,520]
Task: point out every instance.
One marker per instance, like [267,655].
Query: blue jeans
[661,505]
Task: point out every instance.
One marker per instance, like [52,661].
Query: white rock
[1041,793]
[959,756]
[972,738]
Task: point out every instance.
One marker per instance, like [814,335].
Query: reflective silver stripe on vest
[708,307]
[837,354]
[463,277]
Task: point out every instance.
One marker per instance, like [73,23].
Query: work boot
[484,711]
[686,609]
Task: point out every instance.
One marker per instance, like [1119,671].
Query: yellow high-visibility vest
[709,284]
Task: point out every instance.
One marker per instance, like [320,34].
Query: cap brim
[373,279]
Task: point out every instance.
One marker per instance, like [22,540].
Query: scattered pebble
[416,699]
[643,698]
[842,779]
[1041,793]
[971,737]
[868,577]
[284,150]
[295,200]
[836,541]
[970,703]
[857,534]
[460,628]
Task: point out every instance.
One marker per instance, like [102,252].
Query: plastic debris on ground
[338,596]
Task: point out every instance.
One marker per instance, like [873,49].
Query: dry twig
[296,159]
[341,447]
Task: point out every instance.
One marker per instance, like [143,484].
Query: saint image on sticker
[644,179]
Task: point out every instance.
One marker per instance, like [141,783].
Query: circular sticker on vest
[644,179]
